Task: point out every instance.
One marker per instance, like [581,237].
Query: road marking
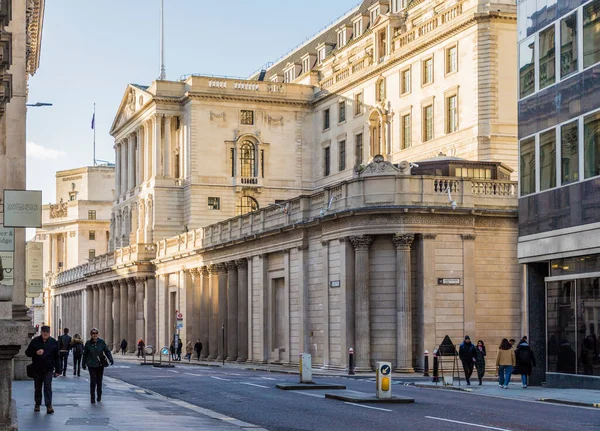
[173,371]
[252,384]
[308,394]
[467,423]
[197,375]
[268,378]
[219,378]
[368,407]
[234,374]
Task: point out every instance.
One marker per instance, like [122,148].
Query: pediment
[379,166]
[133,100]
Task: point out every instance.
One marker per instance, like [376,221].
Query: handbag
[30,371]
[101,358]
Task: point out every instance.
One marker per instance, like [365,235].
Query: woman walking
[480,360]
[96,356]
[525,360]
[505,361]
[189,349]
[77,344]
[123,346]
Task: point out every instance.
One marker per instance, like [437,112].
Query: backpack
[78,349]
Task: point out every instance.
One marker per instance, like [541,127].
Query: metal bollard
[426,365]
[350,361]
[435,367]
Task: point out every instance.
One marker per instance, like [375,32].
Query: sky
[91,50]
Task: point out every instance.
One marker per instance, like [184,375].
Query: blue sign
[165,351]
[385,370]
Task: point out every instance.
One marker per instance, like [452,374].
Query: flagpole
[163,72]
[94,127]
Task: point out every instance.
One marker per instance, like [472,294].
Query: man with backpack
[77,346]
[64,345]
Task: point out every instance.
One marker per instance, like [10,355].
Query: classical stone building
[284,208]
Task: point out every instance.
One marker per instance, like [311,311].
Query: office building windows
[527,166]
[569,152]
[527,67]
[547,71]
[591,145]
[591,33]
[548,160]
[568,45]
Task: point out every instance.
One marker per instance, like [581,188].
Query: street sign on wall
[34,273]
[6,263]
[22,208]
[7,239]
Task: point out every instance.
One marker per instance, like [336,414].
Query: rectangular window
[91,215]
[357,29]
[326,119]
[405,81]
[358,148]
[452,59]
[591,145]
[342,155]
[428,71]
[548,160]
[568,45]
[327,160]
[341,39]
[214,204]
[569,153]
[406,131]
[527,166]
[306,65]
[452,114]
[358,103]
[526,67]
[322,55]
[92,235]
[591,33]
[262,163]
[247,117]
[233,160]
[427,123]
[91,254]
[547,58]
[342,112]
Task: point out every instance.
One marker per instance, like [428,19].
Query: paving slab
[307,386]
[363,397]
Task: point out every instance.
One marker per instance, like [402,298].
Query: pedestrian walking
[45,364]
[140,348]
[64,344]
[198,348]
[505,361]
[189,349]
[179,347]
[96,356]
[480,360]
[77,347]
[467,355]
[123,346]
[525,360]
[172,350]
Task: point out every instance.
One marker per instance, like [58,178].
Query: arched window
[246,204]
[248,160]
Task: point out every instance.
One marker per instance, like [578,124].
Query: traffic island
[308,386]
[362,397]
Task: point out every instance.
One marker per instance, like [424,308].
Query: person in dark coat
[77,346]
[467,355]
[198,348]
[172,350]
[179,347]
[480,360]
[96,356]
[525,360]
[140,348]
[44,352]
[123,346]
[64,346]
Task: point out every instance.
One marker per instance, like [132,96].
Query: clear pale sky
[91,50]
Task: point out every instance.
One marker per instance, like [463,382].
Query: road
[252,397]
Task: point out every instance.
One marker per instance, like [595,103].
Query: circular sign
[165,351]
[179,316]
[385,370]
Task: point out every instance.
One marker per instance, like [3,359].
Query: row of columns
[67,312]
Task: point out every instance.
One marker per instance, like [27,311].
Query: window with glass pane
[591,33]
[561,324]
[406,131]
[591,145]
[358,148]
[527,166]
[342,112]
[452,114]
[428,71]
[428,123]
[326,119]
[526,67]
[568,45]
[547,67]
[245,205]
[247,159]
[358,104]
[569,147]
[588,319]
[342,155]
[91,254]
[548,160]
[327,160]
[451,60]
[406,81]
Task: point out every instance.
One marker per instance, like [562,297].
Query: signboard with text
[22,208]
[7,239]
[34,273]
[6,263]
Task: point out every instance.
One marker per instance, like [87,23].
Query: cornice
[232,98]
[35,22]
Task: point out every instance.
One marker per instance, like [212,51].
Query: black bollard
[435,368]
[426,365]
[351,361]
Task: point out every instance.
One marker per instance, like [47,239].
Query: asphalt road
[252,397]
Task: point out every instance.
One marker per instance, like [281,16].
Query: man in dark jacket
[43,350]
[198,348]
[525,360]
[64,345]
[467,355]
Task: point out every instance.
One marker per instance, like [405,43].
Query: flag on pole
[94,121]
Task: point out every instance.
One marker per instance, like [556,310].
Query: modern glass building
[559,182]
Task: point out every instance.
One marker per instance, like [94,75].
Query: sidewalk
[123,407]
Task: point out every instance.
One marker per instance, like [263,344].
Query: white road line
[219,378]
[467,423]
[268,378]
[173,371]
[308,394]
[197,375]
[252,384]
[368,407]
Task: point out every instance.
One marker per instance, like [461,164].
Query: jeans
[76,365]
[504,372]
[468,368]
[43,379]
[64,357]
[524,379]
[96,375]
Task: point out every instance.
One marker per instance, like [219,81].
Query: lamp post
[38,104]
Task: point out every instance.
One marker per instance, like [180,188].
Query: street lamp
[39,104]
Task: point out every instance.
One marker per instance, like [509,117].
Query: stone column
[131,162]
[425,290]
[101,310]
[108,313]
[131,316]
[124,163]
[117,148]
[116,286]
[469,289]
[188,315]
[156,164]
[89,311]
[362,350]
[123,318]
[139,157]
[140,283]
[96,314]
[222,309]
[404,348]
[242,310]
[167,144]
[148,153]
[204,311]
[213,324]
[196,306]
[232,311]
[151,339]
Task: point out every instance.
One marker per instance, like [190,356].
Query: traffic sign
[165,351]
[385,369]
[179,325]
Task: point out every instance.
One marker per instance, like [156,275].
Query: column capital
[230,266]
[362,242]
[194,272]
[220,268]
[139,281]
[203,270]
[403,241]
[122,282]
[241,263]
[469,237]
